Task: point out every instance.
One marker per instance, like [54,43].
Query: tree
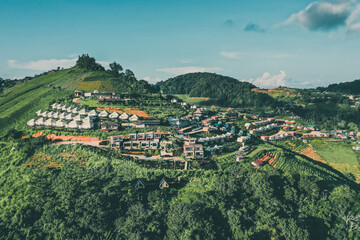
[88,63]
[129,73]
[115,69]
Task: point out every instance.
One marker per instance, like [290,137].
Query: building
[124,116]
[61,123]
[40,121]
[78,93]
[166,148]
[84,111]
[103,114]
[116,141]
[164,184]
[93,113]
[109,126]
[88,94]
[189,141]
[114,115]
[257,163]
[70,116]
[194,151]
[49,122]
[134,118]
[140,184]
[149,122]
[198,113]
[31,123]
[74,124]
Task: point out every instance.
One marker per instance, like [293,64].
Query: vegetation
[345,87]
[95,198]
[224,91]
[80,192]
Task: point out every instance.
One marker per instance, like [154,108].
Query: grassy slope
[340,156]
[293,162]
[191,100]
[19,103]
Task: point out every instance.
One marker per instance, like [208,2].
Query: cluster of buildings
[263,129]
[143,141]
[135,120]
[105,97]
[64,116]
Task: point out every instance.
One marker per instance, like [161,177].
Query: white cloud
[47,64]
[232,55]
[42,65]
[354,28]
[184,70]
[322,15]
[353,22]
[151,80]
[268,80]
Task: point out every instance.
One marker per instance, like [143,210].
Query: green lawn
[337,152]
[340,156]
[192,100]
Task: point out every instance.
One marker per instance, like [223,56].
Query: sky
[294,43]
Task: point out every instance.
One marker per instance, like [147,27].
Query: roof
[195,145]
[109,124]
[140,184]
[164,183]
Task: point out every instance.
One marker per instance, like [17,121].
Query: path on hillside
[89,143]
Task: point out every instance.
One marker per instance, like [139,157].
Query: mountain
[352,87]
[225,90]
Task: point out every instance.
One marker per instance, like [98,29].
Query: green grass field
[340,156]
[337,152]
[192,100]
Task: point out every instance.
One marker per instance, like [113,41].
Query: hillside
[352,87]
[19,102]
[54,190]
[225,91]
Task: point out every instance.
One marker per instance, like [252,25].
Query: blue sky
[296,43]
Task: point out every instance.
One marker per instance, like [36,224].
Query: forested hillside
[59,192]
[226,91]
[344,87]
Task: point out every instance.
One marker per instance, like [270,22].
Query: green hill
[352,87]
[19,102]
[226,91]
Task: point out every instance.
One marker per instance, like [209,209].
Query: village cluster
[201,133]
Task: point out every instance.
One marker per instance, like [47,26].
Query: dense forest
[54,192]
[225,91]
[345,87]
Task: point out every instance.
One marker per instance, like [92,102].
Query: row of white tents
[116,115]
[64,115]
[85,123]
[92,113]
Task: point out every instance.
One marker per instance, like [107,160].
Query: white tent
[93,113]
[31,123]
[114,115]
[104,114]
[124,116]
